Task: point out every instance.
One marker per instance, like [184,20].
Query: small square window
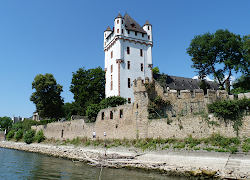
[129,100]
[111,115]
[141,66]
[128,50]
[121,113]
[102,115]
[128,64]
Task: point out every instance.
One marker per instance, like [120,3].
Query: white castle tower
[128,55]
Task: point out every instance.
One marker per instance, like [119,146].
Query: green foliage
[218,54]
[5,123]
[92,111]
[70,109]
[29,136]
[10,135]
[241,85]
[88,87]
[39,136]
[230,110]
[18,135]
[113,101]
[156,70]
[157,106]
[204,86]
[47,96]
[27,123]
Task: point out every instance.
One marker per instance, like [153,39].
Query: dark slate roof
[182,83]
[131,24]
[119,16]
[147,23]
[108,29]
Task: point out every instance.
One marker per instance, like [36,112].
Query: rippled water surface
[24,165]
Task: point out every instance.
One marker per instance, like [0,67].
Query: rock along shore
[199,164]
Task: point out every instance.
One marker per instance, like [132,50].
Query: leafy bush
[113,101]
[18,135]
[29,136]
[39,136]
[10,134]
[230,110]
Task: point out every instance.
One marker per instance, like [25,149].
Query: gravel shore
[200,164]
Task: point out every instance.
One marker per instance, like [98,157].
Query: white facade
[128,43]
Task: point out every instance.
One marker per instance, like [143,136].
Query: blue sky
[60,36]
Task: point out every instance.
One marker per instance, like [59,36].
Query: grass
[215,143]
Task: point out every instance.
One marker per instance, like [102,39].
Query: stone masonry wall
[1,135]
[130,121]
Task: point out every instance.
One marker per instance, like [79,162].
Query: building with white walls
[128,55]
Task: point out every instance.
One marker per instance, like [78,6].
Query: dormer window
[133,25]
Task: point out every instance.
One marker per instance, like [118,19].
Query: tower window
[128,64]
[122,31]
[148,27]
[129,83]
[135,33]
[141,52]
[111,85]
[129,100]
[141,66]
[111,115]
[148,36]
[102,115]
[121,113]
[128,32]
[122,21]
[111,68]
[111,54]
[117,30]
[118,21]
[128,50]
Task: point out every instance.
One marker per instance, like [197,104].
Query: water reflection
[24,165]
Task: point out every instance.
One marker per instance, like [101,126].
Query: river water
[16,164]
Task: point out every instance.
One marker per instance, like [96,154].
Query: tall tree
[47,96]
[219,54]
[5,123]
[88,87]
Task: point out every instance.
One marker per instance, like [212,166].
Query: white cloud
[207,78]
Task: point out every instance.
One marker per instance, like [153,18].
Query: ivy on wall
[157,106]
[231,111]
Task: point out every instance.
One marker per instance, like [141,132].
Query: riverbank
[213,164]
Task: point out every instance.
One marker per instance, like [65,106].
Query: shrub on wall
[10,134]
[29,136]
[93,109]
[39,136]
[230,110]
[18,135]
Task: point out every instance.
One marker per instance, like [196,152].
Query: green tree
[241,85]
[88,87]
[5,123]
[47,96]
[246,53]
[219,54]
[71,109]
[156,70]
